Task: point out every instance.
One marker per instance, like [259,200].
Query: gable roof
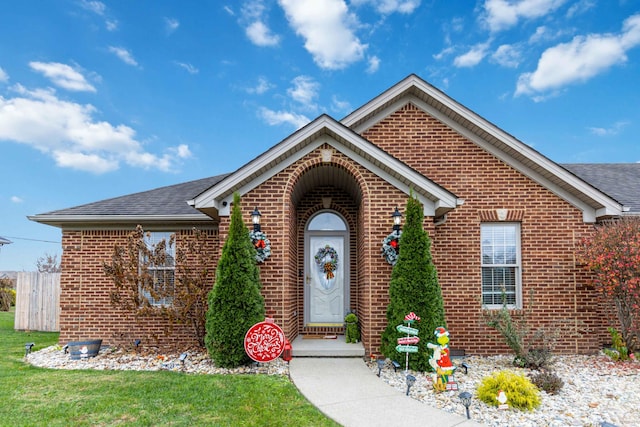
[326,130]
[591,201]
[619,180]
[200,200]
[158,205]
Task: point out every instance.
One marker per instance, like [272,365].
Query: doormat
[319,337]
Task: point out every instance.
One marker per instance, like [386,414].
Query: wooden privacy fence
[38,302]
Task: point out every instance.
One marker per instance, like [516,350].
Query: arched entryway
[326,270]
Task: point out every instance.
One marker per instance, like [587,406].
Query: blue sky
[100,99]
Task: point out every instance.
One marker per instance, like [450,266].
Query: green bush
[414,288]
[547,381]
[532,348]
[7,299]
[235,302]
[520,391]
[619,349]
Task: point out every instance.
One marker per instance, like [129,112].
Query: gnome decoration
[502,400]
[440,361]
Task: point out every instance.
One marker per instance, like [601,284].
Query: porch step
[325,347]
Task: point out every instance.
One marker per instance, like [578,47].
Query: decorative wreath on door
[330,265]
[261,244]
[391,247]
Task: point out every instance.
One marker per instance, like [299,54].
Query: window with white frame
[500,264]
[162,273]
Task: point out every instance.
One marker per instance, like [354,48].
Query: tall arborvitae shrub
[413,288]
[235,302]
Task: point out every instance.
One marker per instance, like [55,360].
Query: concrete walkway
[348,392]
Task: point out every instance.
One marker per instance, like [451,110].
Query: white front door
[325,279]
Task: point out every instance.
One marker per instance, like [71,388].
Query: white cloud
[274,118]
[387,7]
[171,25]
[328,30]
[4,77]
[580,59]
[228,9]
[96,7]
[304,91]
[111,24]
[261,35]
[580,7]
[444,52]
[68,132]
[190,68]
[610,131]
[16,199]
[507,55]
[374,64]
[100,9]
[253,19]
[340,106]
[63,75]
[472,57]
[261,87]
[124,55]
[503,14]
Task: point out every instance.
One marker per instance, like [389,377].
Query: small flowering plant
[261,244]
[391,247]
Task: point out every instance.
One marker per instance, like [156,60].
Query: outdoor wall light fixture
[380,363]
[411,380]
[255,218]
[27,347]
[465,397]
[397,219]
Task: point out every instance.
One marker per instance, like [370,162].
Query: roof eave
[62,221]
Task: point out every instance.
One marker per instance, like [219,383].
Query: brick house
[498,212]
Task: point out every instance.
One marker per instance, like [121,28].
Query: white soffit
[435,199]
[592,202]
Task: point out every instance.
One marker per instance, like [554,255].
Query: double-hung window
[161,270]
[500,264]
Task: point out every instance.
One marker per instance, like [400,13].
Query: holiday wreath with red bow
[391,247]
[261,244]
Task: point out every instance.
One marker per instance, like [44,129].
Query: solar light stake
[183,357]
[411,380]
[27,348]
[465,397]
[380,363]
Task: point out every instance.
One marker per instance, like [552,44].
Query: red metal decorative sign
[264,341]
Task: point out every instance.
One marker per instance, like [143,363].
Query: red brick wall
[549,229]
[86,310]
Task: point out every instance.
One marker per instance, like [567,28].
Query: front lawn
[32,396]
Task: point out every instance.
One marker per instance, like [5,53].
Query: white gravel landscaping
[596,389]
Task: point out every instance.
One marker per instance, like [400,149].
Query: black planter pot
[84,349]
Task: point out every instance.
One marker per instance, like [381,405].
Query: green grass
[32,396]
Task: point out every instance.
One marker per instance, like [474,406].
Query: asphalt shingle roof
[170,200]
[621,181]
